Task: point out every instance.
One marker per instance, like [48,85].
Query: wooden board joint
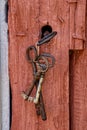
[76,36]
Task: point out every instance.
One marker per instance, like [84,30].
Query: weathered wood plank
[73,6]
[56,96]
[78,87]
[80,24]
[77,23]
[86,26]
[39,13]
[23,113]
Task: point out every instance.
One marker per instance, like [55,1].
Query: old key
[40,109]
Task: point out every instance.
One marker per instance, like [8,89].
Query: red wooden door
[26,18]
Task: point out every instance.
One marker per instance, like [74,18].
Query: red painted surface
[78,90]
[25,21]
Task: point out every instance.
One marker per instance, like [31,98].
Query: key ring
[49,56]
[43,66]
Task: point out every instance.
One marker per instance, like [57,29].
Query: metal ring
[28,53]
[41,65]
[51,57]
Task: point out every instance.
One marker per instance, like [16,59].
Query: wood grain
[77,24]
[80,24]
[72,23]
[78,90]
[86,27]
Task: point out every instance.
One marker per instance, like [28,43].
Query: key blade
[46,38]
[36,99]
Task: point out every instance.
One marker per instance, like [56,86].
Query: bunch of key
[40,65]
